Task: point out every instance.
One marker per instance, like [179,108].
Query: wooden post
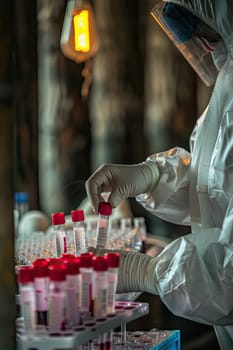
[7,276]
[25,97]
[116,105]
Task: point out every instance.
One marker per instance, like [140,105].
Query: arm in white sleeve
[170,198]
[193,275]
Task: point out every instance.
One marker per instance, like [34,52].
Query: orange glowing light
[81,31]
[186,161]
[79,38]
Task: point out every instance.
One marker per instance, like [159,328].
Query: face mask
[219,54]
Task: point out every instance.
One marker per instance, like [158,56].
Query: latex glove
[121,181]
[136,271]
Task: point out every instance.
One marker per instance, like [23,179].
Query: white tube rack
[67,340]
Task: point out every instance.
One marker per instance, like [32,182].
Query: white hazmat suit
[193,275]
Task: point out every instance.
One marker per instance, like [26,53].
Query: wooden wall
[7,280]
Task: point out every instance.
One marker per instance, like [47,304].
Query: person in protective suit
[193,275]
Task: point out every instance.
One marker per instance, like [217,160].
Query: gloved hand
[121,181]
[136,271]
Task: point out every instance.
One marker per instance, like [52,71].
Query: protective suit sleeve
[170,198]
[136,271]
[194,278]
[192,275]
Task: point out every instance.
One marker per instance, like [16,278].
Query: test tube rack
[70,339]
[155,339]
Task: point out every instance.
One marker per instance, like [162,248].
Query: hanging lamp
[79,39]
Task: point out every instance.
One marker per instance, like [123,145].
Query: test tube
[58,221]
[27,298]
[91,226]
[21,203]
[72,288]
[41,283]
[86,282]
[113,260]
[127,233]
[77,217]
[57,297]
[112,275]
[104,210]
[100,286]
[139,223]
